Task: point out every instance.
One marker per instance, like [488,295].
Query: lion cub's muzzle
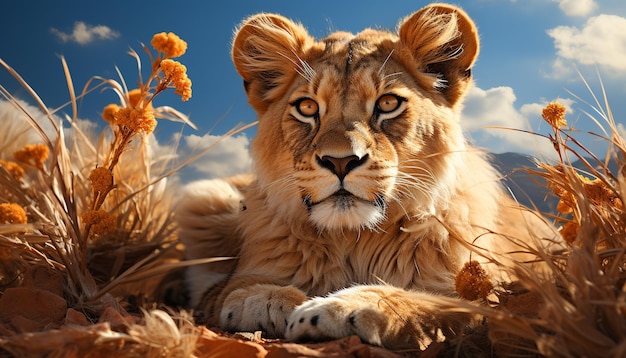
[344,205]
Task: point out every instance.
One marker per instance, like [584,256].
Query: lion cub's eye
[307,107]
[388,103]
[389,106]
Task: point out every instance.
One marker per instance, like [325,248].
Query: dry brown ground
[37,321]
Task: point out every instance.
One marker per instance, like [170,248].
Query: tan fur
[206,219]
[413,195]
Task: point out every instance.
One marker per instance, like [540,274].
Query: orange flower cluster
[554,114]
[597,193]
[33,154]
[472,282]
[11,213]
[135,119]
[569,232]
[138,116]
[176,73]
[108,114]
[101,179]
[12,167]
[99,221]
[169,44]
[137,98]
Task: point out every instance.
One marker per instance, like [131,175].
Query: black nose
[341,166]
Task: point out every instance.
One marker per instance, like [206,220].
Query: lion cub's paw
[381,315]
[344,313]
[260,307]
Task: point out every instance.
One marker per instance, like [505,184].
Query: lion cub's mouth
[342,198]
[343,209]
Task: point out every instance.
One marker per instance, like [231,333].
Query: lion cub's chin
[347,212]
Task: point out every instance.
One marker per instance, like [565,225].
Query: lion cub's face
[355,128]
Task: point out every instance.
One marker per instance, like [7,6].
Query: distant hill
[528,189]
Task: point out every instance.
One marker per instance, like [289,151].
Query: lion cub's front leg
[264,307]
[381,315]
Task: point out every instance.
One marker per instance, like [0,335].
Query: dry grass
[99,221]
[576,306]
[582,311]
[93,248]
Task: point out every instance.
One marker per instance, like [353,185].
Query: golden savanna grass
[89,228]
[577,307]
[77,208]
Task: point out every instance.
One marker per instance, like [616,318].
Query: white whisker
[284,183]
[380,70]
[302,67]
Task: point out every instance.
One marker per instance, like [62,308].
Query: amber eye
[307,107]
[388,103]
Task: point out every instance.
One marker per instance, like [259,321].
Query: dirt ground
[37,321]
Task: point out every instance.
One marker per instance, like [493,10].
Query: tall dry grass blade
[31,92]
[70,87]
[137,58]
[123,85]
[31,120]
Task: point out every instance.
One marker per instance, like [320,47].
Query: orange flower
[33,154]
[101,179]
[136,98]
[596,191]
[569,232]
[554,114]
[472,282]
[564,207]
[176,72]
[136,119]
[11,213]
[599,194]
[136,101]
[109,112]
[170,44]
[12,167]
[99,221]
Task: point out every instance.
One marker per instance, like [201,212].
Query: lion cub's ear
[267,50]
[443,40]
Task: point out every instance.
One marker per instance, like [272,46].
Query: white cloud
[492,107]
[577,7]
[621,130]
[601,42]
[225,156]
[495,107]
[563,70]
[15,128]
[84,33]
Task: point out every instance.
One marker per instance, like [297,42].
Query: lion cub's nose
[341,166]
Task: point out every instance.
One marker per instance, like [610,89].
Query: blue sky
[531,50]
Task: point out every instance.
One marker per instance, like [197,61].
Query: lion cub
[364,193]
